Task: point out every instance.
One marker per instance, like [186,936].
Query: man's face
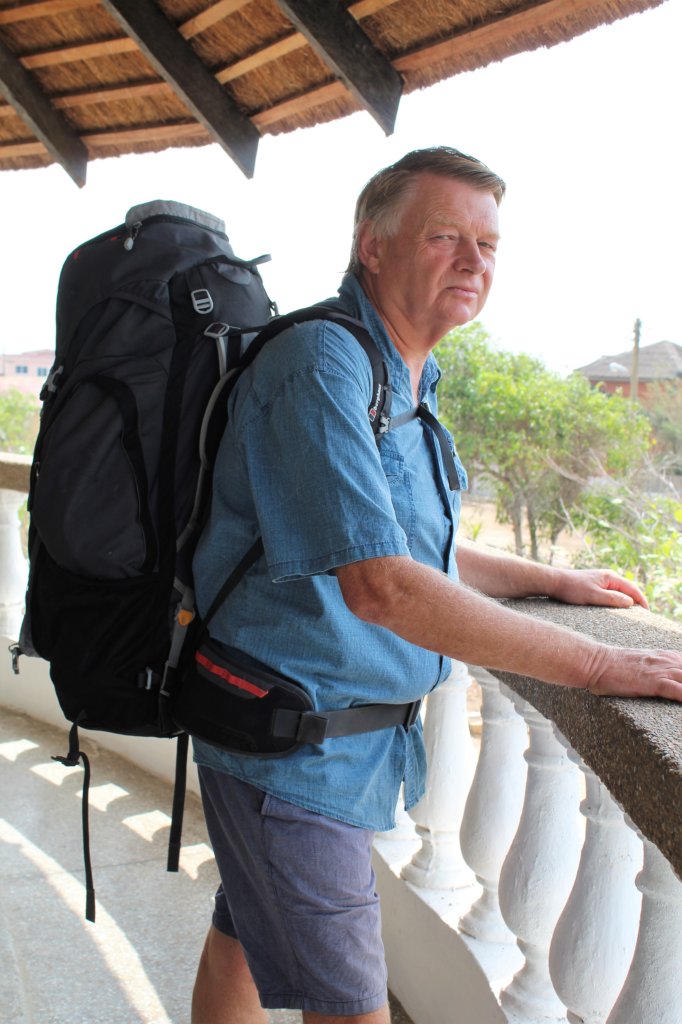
[436,271]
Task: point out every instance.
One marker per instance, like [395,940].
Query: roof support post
[192,82]
[47,124]
[339,41]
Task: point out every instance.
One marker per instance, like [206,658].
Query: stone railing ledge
[15,471]
[633,745]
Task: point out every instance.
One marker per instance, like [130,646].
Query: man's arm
[500,575]
[430,610]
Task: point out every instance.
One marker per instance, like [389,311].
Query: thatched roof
[660,361]
[94,78]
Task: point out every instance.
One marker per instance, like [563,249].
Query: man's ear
[369,247]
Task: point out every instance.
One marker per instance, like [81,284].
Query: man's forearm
[430,610]
[500,575]
[427,608]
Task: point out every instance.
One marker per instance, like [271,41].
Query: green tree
[639,535]
[663,407]
[538,437]
[19,415]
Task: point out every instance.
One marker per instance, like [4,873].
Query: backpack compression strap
[70,760]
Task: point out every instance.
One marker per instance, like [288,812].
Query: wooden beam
[290,43]
[256,60]
[137,91]
[300,104]
[155,133]
[339,41]
[109,47]
[502,30]
[192,82]
[116,137]
[33,107]
[42,9]
[81,51]
[213,14]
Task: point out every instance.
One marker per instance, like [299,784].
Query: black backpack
[154,323]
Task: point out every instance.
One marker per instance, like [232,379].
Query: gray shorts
[298,893]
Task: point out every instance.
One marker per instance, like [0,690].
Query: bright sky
[586,134]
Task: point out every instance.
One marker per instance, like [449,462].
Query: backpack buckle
[202,301]
[412,715]
[217,330]
[15,651]
[145,680]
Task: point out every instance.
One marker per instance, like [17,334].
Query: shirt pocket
[400,486]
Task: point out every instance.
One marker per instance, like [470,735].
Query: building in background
[657,364]
[26,371]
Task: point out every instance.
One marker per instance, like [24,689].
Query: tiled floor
[136,964]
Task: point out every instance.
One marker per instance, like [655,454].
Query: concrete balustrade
[14,478]
[506,903]
[438,864]
[493,807]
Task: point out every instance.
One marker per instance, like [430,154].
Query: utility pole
[634,370]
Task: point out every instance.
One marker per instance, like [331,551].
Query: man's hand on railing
[634,672]
[596,586]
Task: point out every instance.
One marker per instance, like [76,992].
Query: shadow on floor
[136,964]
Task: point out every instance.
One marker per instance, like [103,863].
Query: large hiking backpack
[154,322]
[149,315]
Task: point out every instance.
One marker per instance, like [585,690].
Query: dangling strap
[425,414]
[70,760]
[178,802]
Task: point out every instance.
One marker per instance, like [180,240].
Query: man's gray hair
[382,199]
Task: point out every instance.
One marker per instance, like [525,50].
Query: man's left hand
[596,586]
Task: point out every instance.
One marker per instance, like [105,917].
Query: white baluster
[12,564]
[539,870]
[652,993]
[594,940]
[438,864]
[493,807]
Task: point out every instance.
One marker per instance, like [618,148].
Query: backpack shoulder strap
[379,408]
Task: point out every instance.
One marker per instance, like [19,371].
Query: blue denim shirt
[300,466]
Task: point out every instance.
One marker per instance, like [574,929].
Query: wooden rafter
[35,109]
[338,39]
[186,130]
[42,9]
[82,51]
[499,30]
[120,44]
[177,63]
[211,16]
[69,33]
[299,104]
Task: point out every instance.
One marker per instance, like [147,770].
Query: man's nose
[468,256]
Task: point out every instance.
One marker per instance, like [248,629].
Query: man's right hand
[636,672]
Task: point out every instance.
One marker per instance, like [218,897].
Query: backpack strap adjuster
[317,726]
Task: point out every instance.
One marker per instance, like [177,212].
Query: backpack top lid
[170,208]
[158,239]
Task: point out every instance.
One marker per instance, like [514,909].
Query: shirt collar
[354,301]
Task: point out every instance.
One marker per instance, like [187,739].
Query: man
[360,599]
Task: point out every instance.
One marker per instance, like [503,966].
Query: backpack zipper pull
[132,235]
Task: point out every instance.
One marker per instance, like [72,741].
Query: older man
[361,597]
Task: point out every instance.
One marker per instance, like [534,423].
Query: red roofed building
[657,363]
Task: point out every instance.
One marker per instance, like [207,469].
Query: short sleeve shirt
[299,466]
